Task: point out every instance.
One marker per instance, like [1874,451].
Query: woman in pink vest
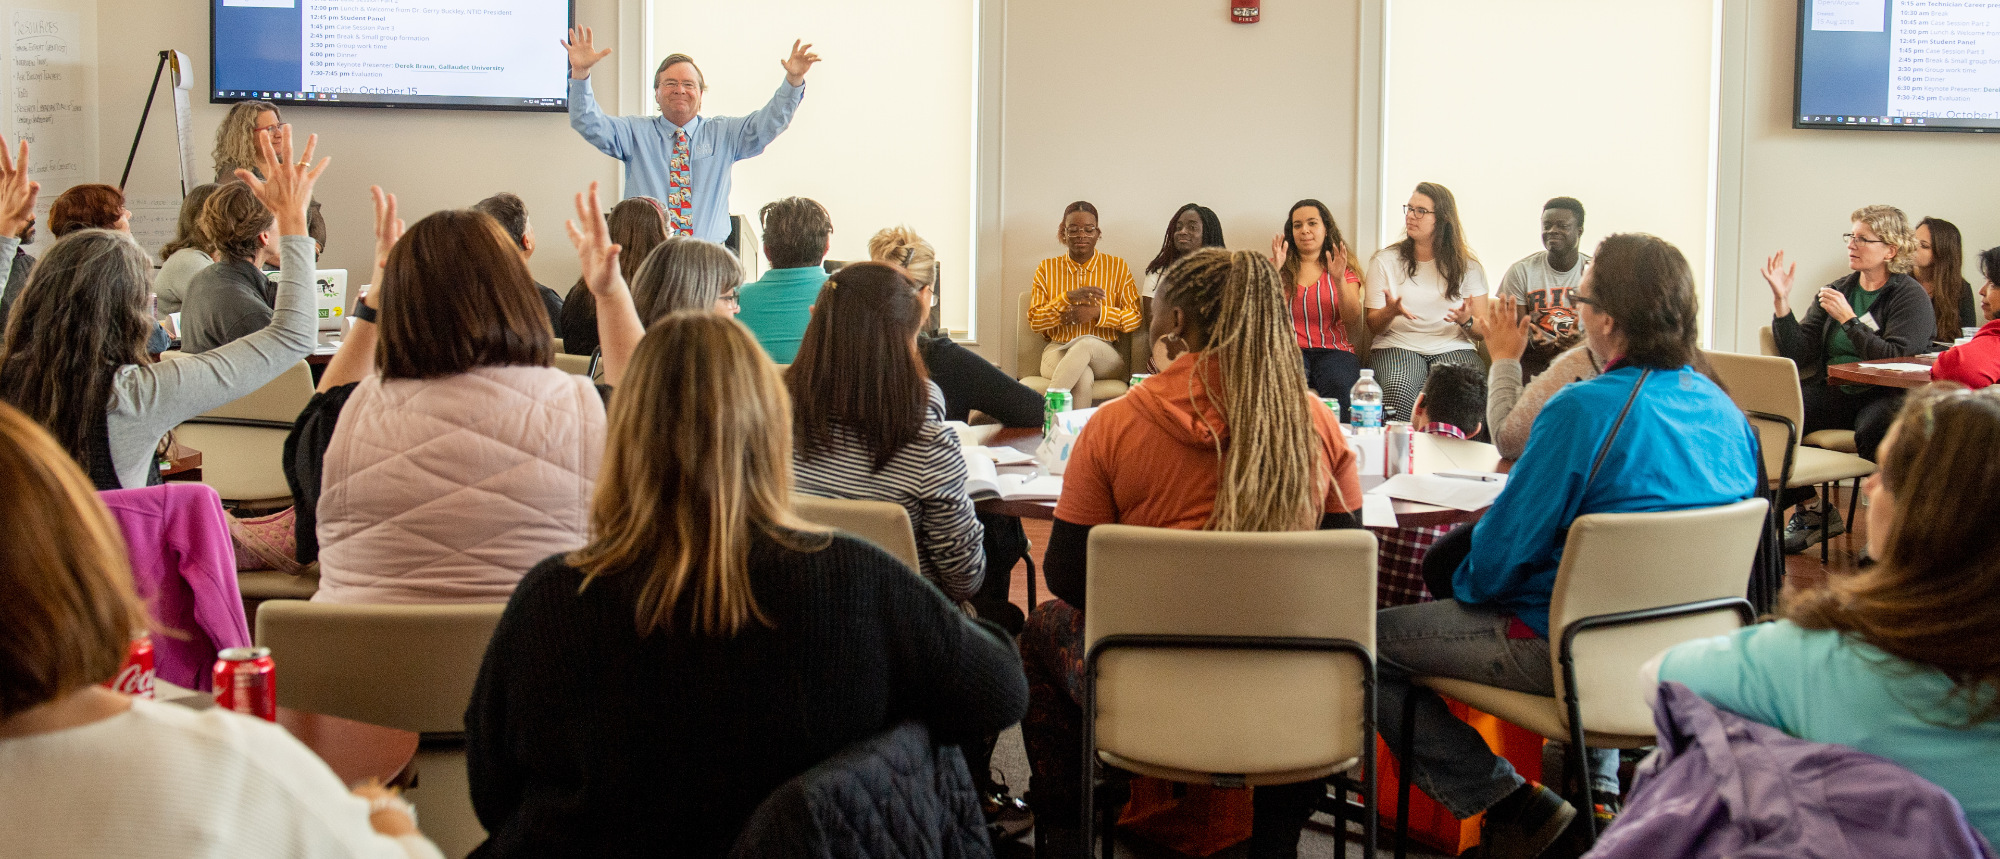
[459,457]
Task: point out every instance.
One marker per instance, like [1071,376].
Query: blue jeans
[1449,760]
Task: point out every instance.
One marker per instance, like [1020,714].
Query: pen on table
[1483,478]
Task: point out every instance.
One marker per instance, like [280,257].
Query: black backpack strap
[1606,448]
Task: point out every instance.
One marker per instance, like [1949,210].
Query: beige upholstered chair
[1230,658]
[1768,390]
[885,524]
[409,667]
[242,444]
[1030,345]
[1630,586]
[576,365]
[1839,440]
[1767,342]
[559,345]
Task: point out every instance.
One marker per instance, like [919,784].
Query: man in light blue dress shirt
[646,143]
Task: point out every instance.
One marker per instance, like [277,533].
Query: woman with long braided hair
[1225,438]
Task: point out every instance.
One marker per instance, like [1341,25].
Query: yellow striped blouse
[1049,297]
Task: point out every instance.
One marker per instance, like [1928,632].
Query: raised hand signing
[796,65]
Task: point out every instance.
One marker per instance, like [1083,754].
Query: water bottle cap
[1367,374]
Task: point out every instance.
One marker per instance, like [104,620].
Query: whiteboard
[50,100]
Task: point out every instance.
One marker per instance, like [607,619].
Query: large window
[885,135]
[1509,104]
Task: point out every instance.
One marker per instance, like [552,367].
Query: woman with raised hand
[75,355]
[1877,310]
[1424,293]
[163,780]
[1901,659]
[1157,457]
[239,144]
[458,456]
[1332,328]
[869,423]
[636,225]
[643,694]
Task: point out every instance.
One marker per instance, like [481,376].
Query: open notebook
[983,480]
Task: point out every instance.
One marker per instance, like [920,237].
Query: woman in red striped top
[1332,329]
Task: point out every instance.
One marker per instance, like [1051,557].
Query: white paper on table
[1007,455]
[1900,367]
[967,436]
[1378,511]
[1452,492]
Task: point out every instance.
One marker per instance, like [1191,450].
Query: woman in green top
[1877,310]
[1902,659]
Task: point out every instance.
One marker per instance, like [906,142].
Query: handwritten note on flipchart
[50,99]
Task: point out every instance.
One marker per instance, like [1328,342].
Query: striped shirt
[1316,314]
[1049,297]
[926,477]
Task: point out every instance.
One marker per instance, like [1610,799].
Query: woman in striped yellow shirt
[1082,301]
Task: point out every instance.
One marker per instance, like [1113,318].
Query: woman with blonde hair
[706,644]
[164,780]
[238,142]
[1226,438]
[1901,659]
[1876,310]
[968,381]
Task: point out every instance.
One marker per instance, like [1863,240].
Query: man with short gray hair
[681,158]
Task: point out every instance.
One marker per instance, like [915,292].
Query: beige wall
[1478,103]
[1792,190]
[1140,106]
[431,159]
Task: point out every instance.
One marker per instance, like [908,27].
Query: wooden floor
[1801,571]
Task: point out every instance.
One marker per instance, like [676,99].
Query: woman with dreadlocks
[1225,438]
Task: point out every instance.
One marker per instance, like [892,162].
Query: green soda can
[1137,378]
[1053,403]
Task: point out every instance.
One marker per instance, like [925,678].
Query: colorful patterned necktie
[680,189]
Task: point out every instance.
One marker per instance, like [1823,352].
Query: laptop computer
[332,296]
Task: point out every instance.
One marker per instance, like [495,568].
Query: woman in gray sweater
[74,357]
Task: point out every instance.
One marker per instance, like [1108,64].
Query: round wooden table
[1869,373]
[353,750]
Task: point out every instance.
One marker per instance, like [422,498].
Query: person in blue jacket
[1651,433]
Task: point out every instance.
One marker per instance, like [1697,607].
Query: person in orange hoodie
[1977,363]
[1226,438]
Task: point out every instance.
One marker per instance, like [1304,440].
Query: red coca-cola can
[135,677]
[246,681]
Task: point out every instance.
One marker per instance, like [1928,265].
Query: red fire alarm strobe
[1243,11]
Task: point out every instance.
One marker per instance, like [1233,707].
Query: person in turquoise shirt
[1678,443]
[1900,660]
[797,233]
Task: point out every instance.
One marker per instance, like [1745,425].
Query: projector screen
[1898,65]
[466,54]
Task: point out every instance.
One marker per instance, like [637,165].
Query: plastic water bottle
[1367,400]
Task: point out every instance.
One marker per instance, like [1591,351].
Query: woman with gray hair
[1876,310]
[686,273]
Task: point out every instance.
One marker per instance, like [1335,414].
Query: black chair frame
[1764,593]
[1093,828]
[1575,763]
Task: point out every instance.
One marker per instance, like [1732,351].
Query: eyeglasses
[732,297]
[1852,239]
[1419,211]
[1580,298]
[1080,231]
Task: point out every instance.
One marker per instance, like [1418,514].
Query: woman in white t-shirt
[1423,294]
[91,772]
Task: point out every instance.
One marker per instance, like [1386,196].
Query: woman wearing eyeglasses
[1423,294]
[1081,301]
[1876,310]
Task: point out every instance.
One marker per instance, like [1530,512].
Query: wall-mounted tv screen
[466,54]
[1898,65]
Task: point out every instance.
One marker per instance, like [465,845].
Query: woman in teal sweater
[1650,434]
[1901,660]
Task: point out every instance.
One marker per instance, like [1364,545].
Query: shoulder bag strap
[1606,448]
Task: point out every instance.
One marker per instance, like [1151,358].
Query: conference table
[1433,453]
[353,750]
[1873,373]
[181,463]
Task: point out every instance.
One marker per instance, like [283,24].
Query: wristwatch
[364,312]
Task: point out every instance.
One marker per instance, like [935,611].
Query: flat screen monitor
[465,54]
[1898,65]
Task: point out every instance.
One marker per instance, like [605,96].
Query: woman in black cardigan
[1876,311]
[643,694]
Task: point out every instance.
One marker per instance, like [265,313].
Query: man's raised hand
[17,191]
[583,52]
[798,63]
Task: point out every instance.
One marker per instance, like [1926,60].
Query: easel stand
[151,91]
[180,65]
